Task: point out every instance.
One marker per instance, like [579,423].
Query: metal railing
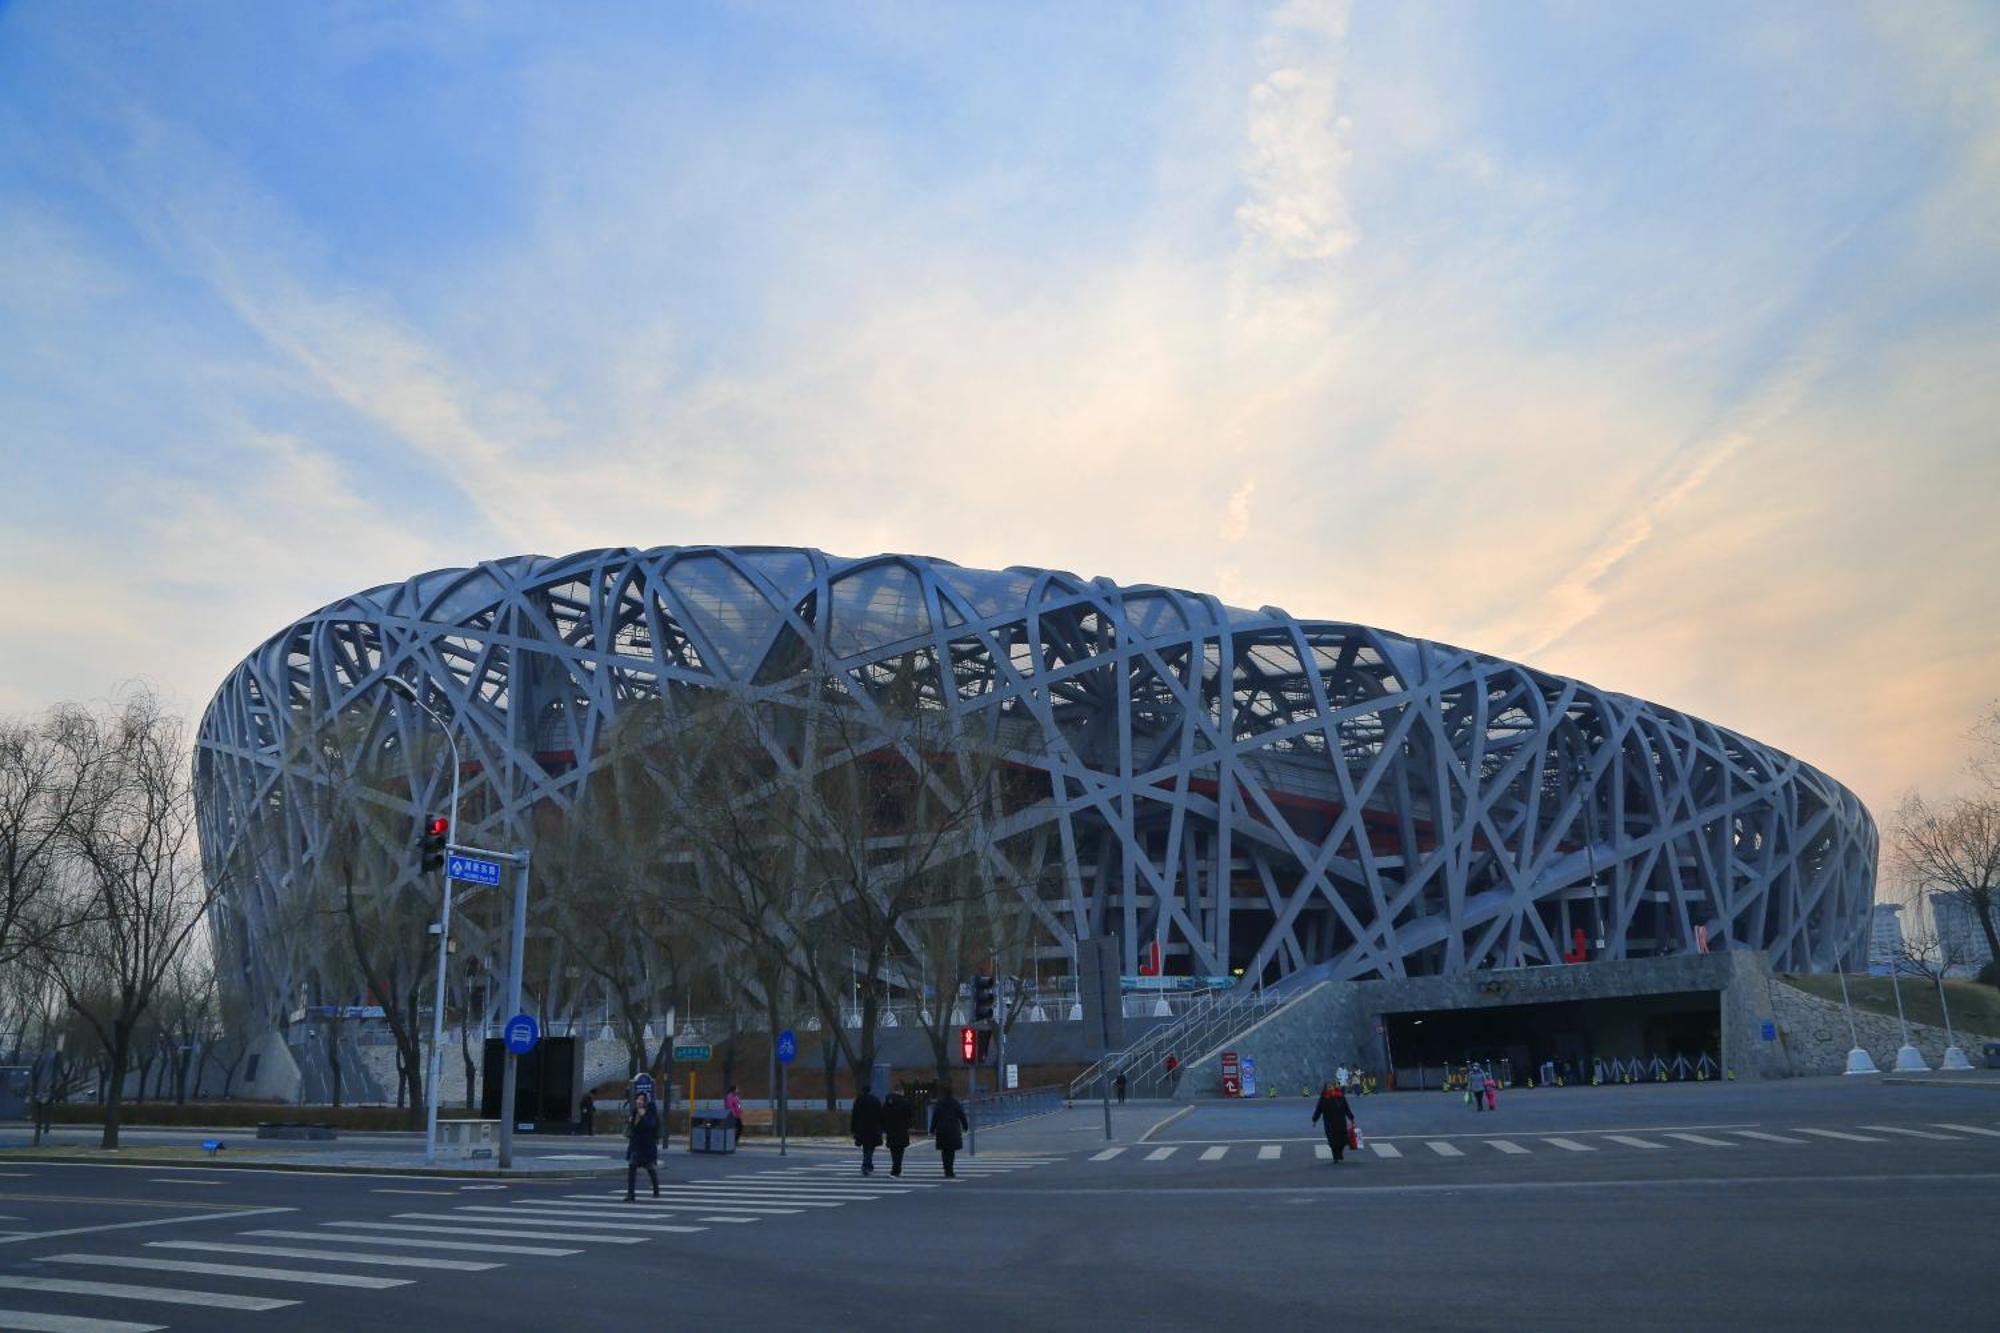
[993,1109]
[1217,1016]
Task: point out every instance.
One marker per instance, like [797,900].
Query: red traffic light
[440,826]
[968,1045]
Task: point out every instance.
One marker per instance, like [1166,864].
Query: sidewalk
[1080,1126]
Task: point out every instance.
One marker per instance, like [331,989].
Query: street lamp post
[409,691]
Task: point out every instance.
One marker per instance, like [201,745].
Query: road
[1808,1205]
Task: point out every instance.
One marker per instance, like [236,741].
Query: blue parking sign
[522,1033]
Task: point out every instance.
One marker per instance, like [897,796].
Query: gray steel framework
[1246,789]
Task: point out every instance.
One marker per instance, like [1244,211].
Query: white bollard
[1954,1060]
[1910,1060]
[1859,1062]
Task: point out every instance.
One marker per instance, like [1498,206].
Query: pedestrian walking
[1475,1086]
[864,1122]
[1333,1114]
[586,1115]
[1118,1086]
[1340,1077]
[642,1146]
[897,1115]
[948,1126]
[732,1106]
[1490,1085]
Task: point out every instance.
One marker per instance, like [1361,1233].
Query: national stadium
[1237,796]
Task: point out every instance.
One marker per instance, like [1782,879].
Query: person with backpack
[897,1115]
[642,1146]
[1333,1114]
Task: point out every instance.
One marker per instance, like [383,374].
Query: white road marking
[493,1226]
[1106,1155]
[183,1180]
[727,1196]
[1840,1134]
[1570,1145]
[1703,1140]
[30,1321]
[1161,1154]
[729,1219]
[326,1256]
[216,1300]
[1214,1154]
[1444,1149]
[642,1205]
[1914,1133]
[1323,1151]
[587,1219]
[1631,1142]
[1970,1129]
[1269,1152]
[445,1193]
[1384,1149]
[362,1280]
[1768,1138]
[221,1213]
[418,1242]
[1506,1146]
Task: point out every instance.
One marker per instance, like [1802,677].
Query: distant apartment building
[1885,938]
[1960,937]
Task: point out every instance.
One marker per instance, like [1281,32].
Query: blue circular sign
[522,1033]
[788,1046]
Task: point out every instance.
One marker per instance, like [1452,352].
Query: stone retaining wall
[1814,1036]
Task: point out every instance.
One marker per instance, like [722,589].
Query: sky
[1656,345]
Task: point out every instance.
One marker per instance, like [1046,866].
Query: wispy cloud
[1464,323]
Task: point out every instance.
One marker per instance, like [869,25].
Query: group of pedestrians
[1482,1089]
[876,1121]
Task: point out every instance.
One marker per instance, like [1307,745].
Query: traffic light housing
[982,999]
[985,1045]
[436,834]
[968,1045]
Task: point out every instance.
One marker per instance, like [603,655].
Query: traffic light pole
[409,691]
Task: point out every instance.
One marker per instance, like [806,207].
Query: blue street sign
[522,1033]
[642,1083]
[788,1047]
[692,1055]
[473,870]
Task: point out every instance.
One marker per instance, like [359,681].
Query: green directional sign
[692,1055]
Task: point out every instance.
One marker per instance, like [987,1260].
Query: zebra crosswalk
[272,1264]
[1466,1147]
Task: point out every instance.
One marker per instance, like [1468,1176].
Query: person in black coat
[586,1115]
[948,1126]
[897,1113]
[642,1146]
[865,1124]
[1334,1115]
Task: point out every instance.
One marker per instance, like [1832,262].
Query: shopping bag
[1354,1136]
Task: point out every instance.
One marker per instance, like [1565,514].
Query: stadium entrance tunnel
[1640,1036]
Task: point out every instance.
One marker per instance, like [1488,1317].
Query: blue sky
[1651,344]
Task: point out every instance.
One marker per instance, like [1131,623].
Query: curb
[1900,1081]
[1168,1120]
[329,1168]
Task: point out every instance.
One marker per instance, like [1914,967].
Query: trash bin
[712,1133]
[1993,1055]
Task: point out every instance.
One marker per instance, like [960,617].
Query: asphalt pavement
[1801,1205]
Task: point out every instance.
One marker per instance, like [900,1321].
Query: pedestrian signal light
[982,999]
[968,1045]
[437,833]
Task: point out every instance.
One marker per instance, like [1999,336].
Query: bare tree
[821,822]
[134,880]
[1953,847]
[46,774]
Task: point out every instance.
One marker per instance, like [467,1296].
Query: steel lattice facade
[1246,789]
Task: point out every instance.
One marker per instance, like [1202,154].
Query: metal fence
[992,1109]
